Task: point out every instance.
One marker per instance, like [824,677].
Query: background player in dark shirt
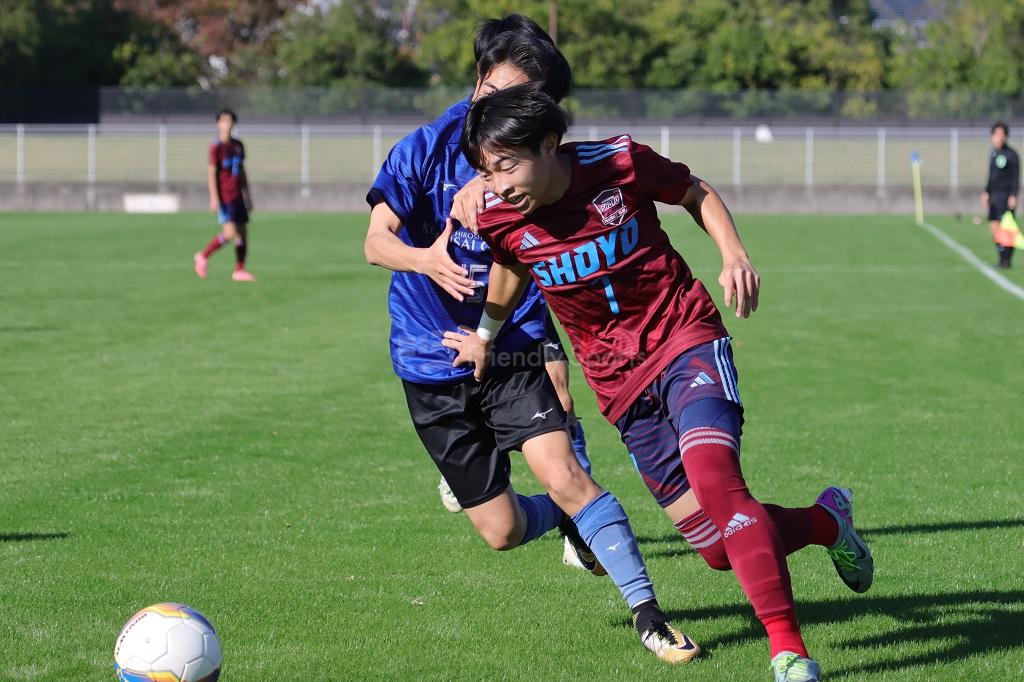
[1001,189]
[229,197]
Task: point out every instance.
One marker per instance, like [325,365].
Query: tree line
[713,45]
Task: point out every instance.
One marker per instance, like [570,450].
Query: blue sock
[579,444]
[605,528]
[542,515]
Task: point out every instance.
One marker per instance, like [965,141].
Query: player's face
[523,179]
[224,125]
[500,77]
[998,137]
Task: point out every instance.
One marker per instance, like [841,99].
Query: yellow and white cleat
[661,637]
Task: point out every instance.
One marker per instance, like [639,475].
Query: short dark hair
[519,116]
[1000,124]
[518,41]
[227,112]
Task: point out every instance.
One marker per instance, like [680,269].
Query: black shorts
[233,212]
[469,428]
[998,205]
[553,349]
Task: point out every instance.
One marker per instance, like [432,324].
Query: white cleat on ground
[448,499]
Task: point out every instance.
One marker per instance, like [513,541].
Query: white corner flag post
[915,167]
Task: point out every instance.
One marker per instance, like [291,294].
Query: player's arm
[505,287]
[243,185]
[383,247]
[211,183]
[469,201]
[739,278]
[1011,201]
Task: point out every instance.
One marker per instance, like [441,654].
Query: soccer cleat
[448,499]
[790,667]
[660,637]
[569,557]
[588,561]
[243,276]
[850,554]
[199,263]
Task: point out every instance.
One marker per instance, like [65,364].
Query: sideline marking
[982,267]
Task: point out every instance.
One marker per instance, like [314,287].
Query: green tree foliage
[349,44]
[980,46]
[721,45]
[86,43]
[699,45]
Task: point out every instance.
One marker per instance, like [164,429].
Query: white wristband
[489,327]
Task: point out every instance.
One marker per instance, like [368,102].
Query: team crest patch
[610,206]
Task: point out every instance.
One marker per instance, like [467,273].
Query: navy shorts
[233,212]
[699,389]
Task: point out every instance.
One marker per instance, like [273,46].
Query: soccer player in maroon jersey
[229,197]
[580,219]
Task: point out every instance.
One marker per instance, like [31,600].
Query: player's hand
[214,205]
[1011,202]
[436,264]
[468,202]
[984,198]
[742,284]
[471,349]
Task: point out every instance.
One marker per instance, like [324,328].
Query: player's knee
[501,539]
[715,556]
[569,485]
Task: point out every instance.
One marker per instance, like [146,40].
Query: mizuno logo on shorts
[541,415]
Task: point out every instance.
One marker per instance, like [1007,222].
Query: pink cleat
[243,276]
[199,262]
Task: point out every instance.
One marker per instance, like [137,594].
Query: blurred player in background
[1002,187]
[469,428]
[229,197]
[580,218]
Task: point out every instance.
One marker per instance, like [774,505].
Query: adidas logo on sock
[702,380]
[738,522]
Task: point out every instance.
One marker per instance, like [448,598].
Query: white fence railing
[158,156]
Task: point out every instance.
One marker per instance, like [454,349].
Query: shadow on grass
[946,627]
[679,547]
[28,537]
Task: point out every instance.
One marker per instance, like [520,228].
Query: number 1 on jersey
[606,282]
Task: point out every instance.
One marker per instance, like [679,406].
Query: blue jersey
[418,181]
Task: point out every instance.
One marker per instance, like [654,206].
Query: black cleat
[587,558]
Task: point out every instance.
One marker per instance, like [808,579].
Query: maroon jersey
[227,158]
[626,298]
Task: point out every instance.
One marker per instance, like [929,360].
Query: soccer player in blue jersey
[469,428]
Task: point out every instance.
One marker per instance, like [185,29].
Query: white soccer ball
[167,643]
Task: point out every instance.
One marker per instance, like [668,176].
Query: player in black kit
[1001,190]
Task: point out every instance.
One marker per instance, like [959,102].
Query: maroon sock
[749,535]
[705,538]
[802,526]
[240,248]
[214,244]
[784,634]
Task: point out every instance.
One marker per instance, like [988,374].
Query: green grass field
[246,449]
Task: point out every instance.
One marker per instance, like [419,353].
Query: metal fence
[159,156]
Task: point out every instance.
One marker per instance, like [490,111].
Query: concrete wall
[328,198]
